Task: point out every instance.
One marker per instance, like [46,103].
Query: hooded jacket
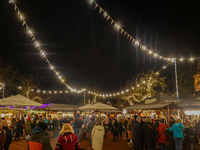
[178,130]
[38,140]
[161,133]
[190,134]
[68,141]
[97,137]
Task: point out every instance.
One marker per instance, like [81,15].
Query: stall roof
[60,107]
[162,98]
[152,106]
[99,106]
[191,101]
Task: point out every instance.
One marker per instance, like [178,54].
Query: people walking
[138,134]
[90,127]
[97,136]
[19,129]
[125,125]
[161,135]
[55,127]
[38,139]
[178,128]
[191,138]
[28,128]
[130,132]
[150,133]
[106,125]
[8,135]
[121,127]
[79,123]
[115,129]
[67,140]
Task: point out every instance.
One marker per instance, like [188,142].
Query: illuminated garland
[130,38]
[43,55]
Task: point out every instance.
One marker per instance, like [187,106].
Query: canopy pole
[18,112]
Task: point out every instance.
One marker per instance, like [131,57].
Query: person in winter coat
[8,135]
[130,133]
[161,135]
[150,133]
[79,122]
[121,127]
[67,140]
[2,136]
[35,120]
[28,128]
[125,125]
[115,129]
[138,134]
[55,127]
[190,136]
[48,125]
[97,136]
[19,129]
[90,127]
[38,139]
[178,128]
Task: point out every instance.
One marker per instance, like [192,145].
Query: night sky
[87,50]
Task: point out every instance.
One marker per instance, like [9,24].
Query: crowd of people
[140,133]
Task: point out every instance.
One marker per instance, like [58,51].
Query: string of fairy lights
[62,80]
[130,38]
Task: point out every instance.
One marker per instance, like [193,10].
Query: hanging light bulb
[122,92]
[38,91]
[52,67]
[57,73]
[110,95]
[143,47]
[150,52]
[144,82]
[114,94]
[181,59]
[60,91]
[117,93]
[138,85]
[191,59]
[55,92]
[20,87]
[21,17]
[37,44]
[127,90]
[105,14]
[49,92]
[32,90]
[44,91]
[30,32]
[136,43]
[164,67]
[66,91]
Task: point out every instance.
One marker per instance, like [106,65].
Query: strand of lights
[38,46]
[134,41]
[43,55]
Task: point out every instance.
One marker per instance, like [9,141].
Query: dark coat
[190,134]
[121,126]
[138,131]
[8,137]
[115,127]
[19,127]
[150,133]
[133,122]
[78,122]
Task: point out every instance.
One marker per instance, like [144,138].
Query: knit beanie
[42,125]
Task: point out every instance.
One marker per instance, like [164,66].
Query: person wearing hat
[38,139]
[28,128]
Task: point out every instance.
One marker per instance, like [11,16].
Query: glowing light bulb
[89,92]
[59,77]
[143,47]
[138,85]
[155,55]
[117,93]
[63,80]
[157,73]
[136,43]
[122,92]
[114,94]
[144,82]
[168,59]
[20,87]
[150,52]
[38,91]
[32,90]
[127,90]
[55,92]
[132,88]
[60,91]
[44,91]
[49,92]
[100,95]
[57,73]
[29,31]
[11,1]
[181,59]
[164,67]
[118,26]
[66,91]
[21,17]
[106,95]
[103,95]
[191,59]
[52,67]
[43,54]
[105,14]
[110,95]
[37,44]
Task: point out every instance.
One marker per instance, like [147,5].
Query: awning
[99,106]
[60,107]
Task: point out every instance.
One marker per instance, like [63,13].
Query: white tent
[97,106]
[18,100]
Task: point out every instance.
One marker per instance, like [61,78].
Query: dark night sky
[86,50]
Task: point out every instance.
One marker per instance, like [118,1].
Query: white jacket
[97,137]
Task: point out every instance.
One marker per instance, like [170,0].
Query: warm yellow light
[143,47]
[60,91]
[191,59]
[113,94]
[100,95]
[38,91]
[57,73]
[136,43]
[91,92]
[19,87]
[138,85]
[150,52]
[59,77]
[132,88]
[144,82]
[55,92]
[21,17]
[157,73]
[43,54]
[37,44]
[110,95]
[29,31]
[44,91]
[164,67]
[32,90]
[168,59]
[63,80]
[49,92]
[88,91]
[122,92]
[106,95]
[105,14]
[66,91]
[117,93]
[118,26]
[181,59]
[52,67]
[155,55]
[127,90]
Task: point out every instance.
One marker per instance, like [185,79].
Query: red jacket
[68,141]
[161,131]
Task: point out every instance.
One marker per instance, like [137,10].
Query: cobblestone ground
[107,145]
